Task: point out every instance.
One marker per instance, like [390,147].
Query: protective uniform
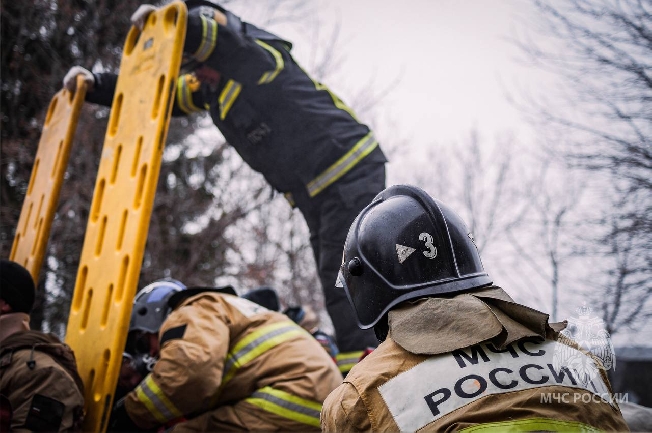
[458,353]
[226,364]
[304,140]
[38,378]
[476,360]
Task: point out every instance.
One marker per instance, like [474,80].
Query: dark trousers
[329,216]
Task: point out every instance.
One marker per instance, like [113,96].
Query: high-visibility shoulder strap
[228,96]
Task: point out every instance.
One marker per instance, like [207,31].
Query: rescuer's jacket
[39,379]
[226,361]
[476,360]
[284,124]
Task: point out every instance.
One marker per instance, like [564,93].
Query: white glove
[139,18]
[70,80]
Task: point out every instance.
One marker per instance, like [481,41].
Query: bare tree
[486,183]
[601,53]
[199,195]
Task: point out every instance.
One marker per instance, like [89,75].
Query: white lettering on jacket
[447,382]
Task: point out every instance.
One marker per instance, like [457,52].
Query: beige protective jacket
[44,395]
[227,364]
[476,361]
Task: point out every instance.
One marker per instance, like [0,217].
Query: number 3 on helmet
[406,245]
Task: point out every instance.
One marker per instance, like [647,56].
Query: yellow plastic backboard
[122,204]
[40,203]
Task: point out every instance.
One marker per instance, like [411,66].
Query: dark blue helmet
[151,305]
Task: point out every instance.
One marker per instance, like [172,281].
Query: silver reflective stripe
[208,40]
[343,165]
[234,358]
[228,97]
[157,402]
[286,404]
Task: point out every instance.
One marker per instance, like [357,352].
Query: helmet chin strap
[381,329]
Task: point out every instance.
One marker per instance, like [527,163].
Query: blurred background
[532,119]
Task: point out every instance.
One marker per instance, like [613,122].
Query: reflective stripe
[343,165]
[336,100]
[269,76]
[155,401]
[257,343]
[289,198]
[208,39]
[228,97]
[286,405]
[533,424]
[184,95]
[346,360]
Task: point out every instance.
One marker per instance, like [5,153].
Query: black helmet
[151,305]
[264,296]
[406,245]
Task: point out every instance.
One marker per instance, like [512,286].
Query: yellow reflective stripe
[336,100]
[289,198]
[257,343]
[269,76]
[149,393]
[286,405]
[533,424]
[184,96]
[346,360]
[228,97]
[343,165]
[208,39]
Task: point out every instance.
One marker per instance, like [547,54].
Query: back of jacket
[283,123]
[286,125]
[217,350]
[44,396]
[475,361]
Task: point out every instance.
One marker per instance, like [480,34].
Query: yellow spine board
[122,204]
[40,203]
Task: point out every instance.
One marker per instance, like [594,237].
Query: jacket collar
[432,326]
[12,323]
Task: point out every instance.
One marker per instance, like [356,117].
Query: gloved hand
[70,80]
[139,18]
[120,420]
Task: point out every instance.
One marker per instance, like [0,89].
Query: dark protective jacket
[227,363]
[289,127]
[39,379]
[476,361]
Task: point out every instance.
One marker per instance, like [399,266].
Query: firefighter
[302,316]
[457,351]
[224,363]
[294,130]
[40,387]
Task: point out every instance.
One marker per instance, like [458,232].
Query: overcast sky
[451,59]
